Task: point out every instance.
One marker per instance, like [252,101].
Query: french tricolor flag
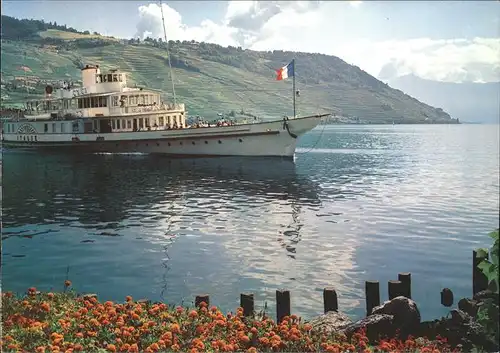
[286,71]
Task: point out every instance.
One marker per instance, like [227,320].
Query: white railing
[147,109]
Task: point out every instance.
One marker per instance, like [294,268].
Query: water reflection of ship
[102,190]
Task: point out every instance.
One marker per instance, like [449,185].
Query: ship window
[115,78]
[95,102]
[115,101]
[141,99]
[168,120]
[129,124]
[98,78]
[118,124]
[45,127]
[102,101]
[146,99]
[62,127]
[120,77]
[141,123]
[53,127]
[113,124]
[160,121]
[146,120]
[110,77]
[86,102]
[36,139]
[131,100]
[80,103]
[104,78]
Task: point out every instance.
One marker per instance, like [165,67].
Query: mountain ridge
[209,78]
[469,101]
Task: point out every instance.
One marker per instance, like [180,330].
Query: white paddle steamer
[105,115]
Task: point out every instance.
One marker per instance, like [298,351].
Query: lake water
[358,203]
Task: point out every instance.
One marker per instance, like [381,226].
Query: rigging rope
[317,141]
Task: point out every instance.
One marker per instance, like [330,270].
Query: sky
[453,41]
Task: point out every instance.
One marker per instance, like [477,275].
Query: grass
[55,33]
[64,322]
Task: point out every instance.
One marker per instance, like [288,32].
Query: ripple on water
[367,203]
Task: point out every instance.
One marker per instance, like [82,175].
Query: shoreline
[65,321]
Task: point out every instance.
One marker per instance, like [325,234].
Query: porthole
[206,142]
[193,142]
[240,140]
[220,141]
[147,145]
[157,144]
[168,143]
[180,143]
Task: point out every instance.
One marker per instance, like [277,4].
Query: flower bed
[65,322]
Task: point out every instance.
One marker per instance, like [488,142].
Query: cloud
[334,28]
[150,24]
[452,60]
[355,3]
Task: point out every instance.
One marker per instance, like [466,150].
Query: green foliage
[488,312]
[490,267]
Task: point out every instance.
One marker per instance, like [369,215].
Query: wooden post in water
[447,297]
[201,299]
[405,278]
[372,293]
[479,280]
[247,303]
[330,300]
[282,304]
[395,289]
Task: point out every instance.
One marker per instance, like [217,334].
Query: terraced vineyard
[211,79]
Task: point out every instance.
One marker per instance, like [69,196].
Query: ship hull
[273,139]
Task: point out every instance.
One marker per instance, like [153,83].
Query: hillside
[469,102]
[209,78]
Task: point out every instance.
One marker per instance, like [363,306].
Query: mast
[294,93]
[168,54]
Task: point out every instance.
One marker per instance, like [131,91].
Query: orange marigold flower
[111,347]
[78,347]
[167,336]
[175,328]
[175,347]
[252,350]
[45,307]
[264,341]
[67,283]
[128,298]
[50,295]
[193,314]
[245,339]
[133,348]
[40,349]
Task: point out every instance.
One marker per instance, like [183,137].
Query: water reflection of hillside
[102,190]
